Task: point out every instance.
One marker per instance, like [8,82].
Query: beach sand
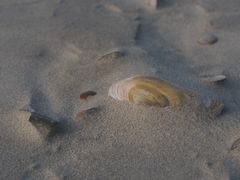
[52,51]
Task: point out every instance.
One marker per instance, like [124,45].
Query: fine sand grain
[53,51]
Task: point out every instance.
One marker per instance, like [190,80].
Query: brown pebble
[86,94]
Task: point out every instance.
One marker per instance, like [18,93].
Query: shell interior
[148,91]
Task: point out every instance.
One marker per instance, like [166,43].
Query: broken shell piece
[214,78]
[208,39]
[216,107]
[44,125]
[111,56]
[86,94]
[148,91]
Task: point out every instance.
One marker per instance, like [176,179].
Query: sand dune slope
[52,51]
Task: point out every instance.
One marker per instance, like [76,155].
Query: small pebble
[208,39]
[86,94]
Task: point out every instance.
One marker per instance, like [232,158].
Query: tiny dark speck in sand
[86,94]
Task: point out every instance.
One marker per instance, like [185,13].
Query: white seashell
[146,90]
[214,78]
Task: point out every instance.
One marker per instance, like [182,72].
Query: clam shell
[146,90]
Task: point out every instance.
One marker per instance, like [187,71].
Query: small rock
[208,39]
[153,3]
[44,125]
[216,107]
[214,78]
[86,94]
